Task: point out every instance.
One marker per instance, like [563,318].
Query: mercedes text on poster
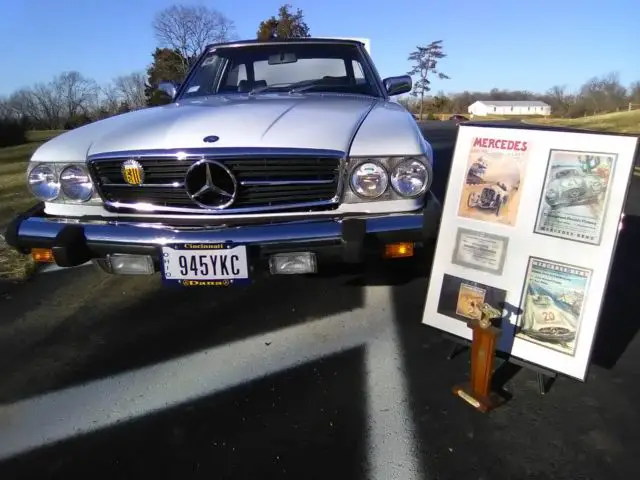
[574,197]
[552,304]
[494,177]
[480,250]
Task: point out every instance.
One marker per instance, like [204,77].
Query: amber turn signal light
[42,255]
[398,250]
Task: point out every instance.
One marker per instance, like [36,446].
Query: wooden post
[477,392]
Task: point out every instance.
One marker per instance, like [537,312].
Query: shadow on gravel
[305,423]
[576,429]
[619,321]
[129,323]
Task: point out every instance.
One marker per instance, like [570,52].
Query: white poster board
[531,221]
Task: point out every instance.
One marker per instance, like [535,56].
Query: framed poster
[530,222]
[495,174]
[461,298]
[574,196]
[552,304]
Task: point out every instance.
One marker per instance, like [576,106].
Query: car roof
[238,43]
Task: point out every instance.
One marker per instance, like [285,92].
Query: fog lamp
[42,255]
[398,250]
[292,263]
[125,264]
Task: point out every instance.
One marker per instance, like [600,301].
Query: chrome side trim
[199,154]
[184,153]
[150,208]
[145,185]
[116,234]
[258,183]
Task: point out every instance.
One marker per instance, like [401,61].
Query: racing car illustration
[544,320]
[492,197]
[571,186]
[476,171]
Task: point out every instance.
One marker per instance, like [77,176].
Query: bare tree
[131,89]
[426,63]
[24,102]
[109,100]
[75,93]
[603,94]
[6,109]
[634,93]
[189,29]
[46,103]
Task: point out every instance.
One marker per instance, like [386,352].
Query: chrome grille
[264,183]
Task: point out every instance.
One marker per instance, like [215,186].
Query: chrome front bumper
[77,241]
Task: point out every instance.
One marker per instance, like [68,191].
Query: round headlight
[76,183]
[369,180]
[43,182]
[410,178]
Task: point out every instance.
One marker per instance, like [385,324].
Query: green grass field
[15,198]
[621,122]
[618,122]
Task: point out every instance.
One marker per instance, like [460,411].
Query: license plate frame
[204,263]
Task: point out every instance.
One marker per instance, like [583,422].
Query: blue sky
[496,43]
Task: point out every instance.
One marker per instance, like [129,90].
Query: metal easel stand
[545,377]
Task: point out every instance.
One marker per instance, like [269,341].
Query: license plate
[202,264]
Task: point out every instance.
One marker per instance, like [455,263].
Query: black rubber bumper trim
[70,247]
[354,232]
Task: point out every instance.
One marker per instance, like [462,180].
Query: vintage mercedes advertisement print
[480,250]
[552,304]
[575,194]
[494,177]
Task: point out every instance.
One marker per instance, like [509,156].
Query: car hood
[263,121]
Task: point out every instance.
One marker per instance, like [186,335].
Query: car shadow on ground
[50,339]
[308,422]
[304,422]
[576,429]
[619,322]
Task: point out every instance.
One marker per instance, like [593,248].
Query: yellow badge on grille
[132,172]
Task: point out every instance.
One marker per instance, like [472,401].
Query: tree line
[182,32]
[597,95]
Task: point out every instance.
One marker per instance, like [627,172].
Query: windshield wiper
[330,87]
[304,85]
[300,86]
[292,86]
[264,88]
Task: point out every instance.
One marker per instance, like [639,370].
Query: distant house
[482,108]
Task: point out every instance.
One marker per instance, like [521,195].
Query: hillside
[624,122]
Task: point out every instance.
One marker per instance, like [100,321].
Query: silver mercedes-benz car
[271,156]
[571,186]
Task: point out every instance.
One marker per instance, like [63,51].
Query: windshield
[294,67]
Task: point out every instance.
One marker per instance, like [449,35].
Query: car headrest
[245,86]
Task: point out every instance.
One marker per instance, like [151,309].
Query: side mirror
[170,88]
[398,85]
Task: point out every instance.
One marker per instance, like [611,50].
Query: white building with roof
[482,108]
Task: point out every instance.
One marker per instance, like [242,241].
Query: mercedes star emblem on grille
[211,185]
